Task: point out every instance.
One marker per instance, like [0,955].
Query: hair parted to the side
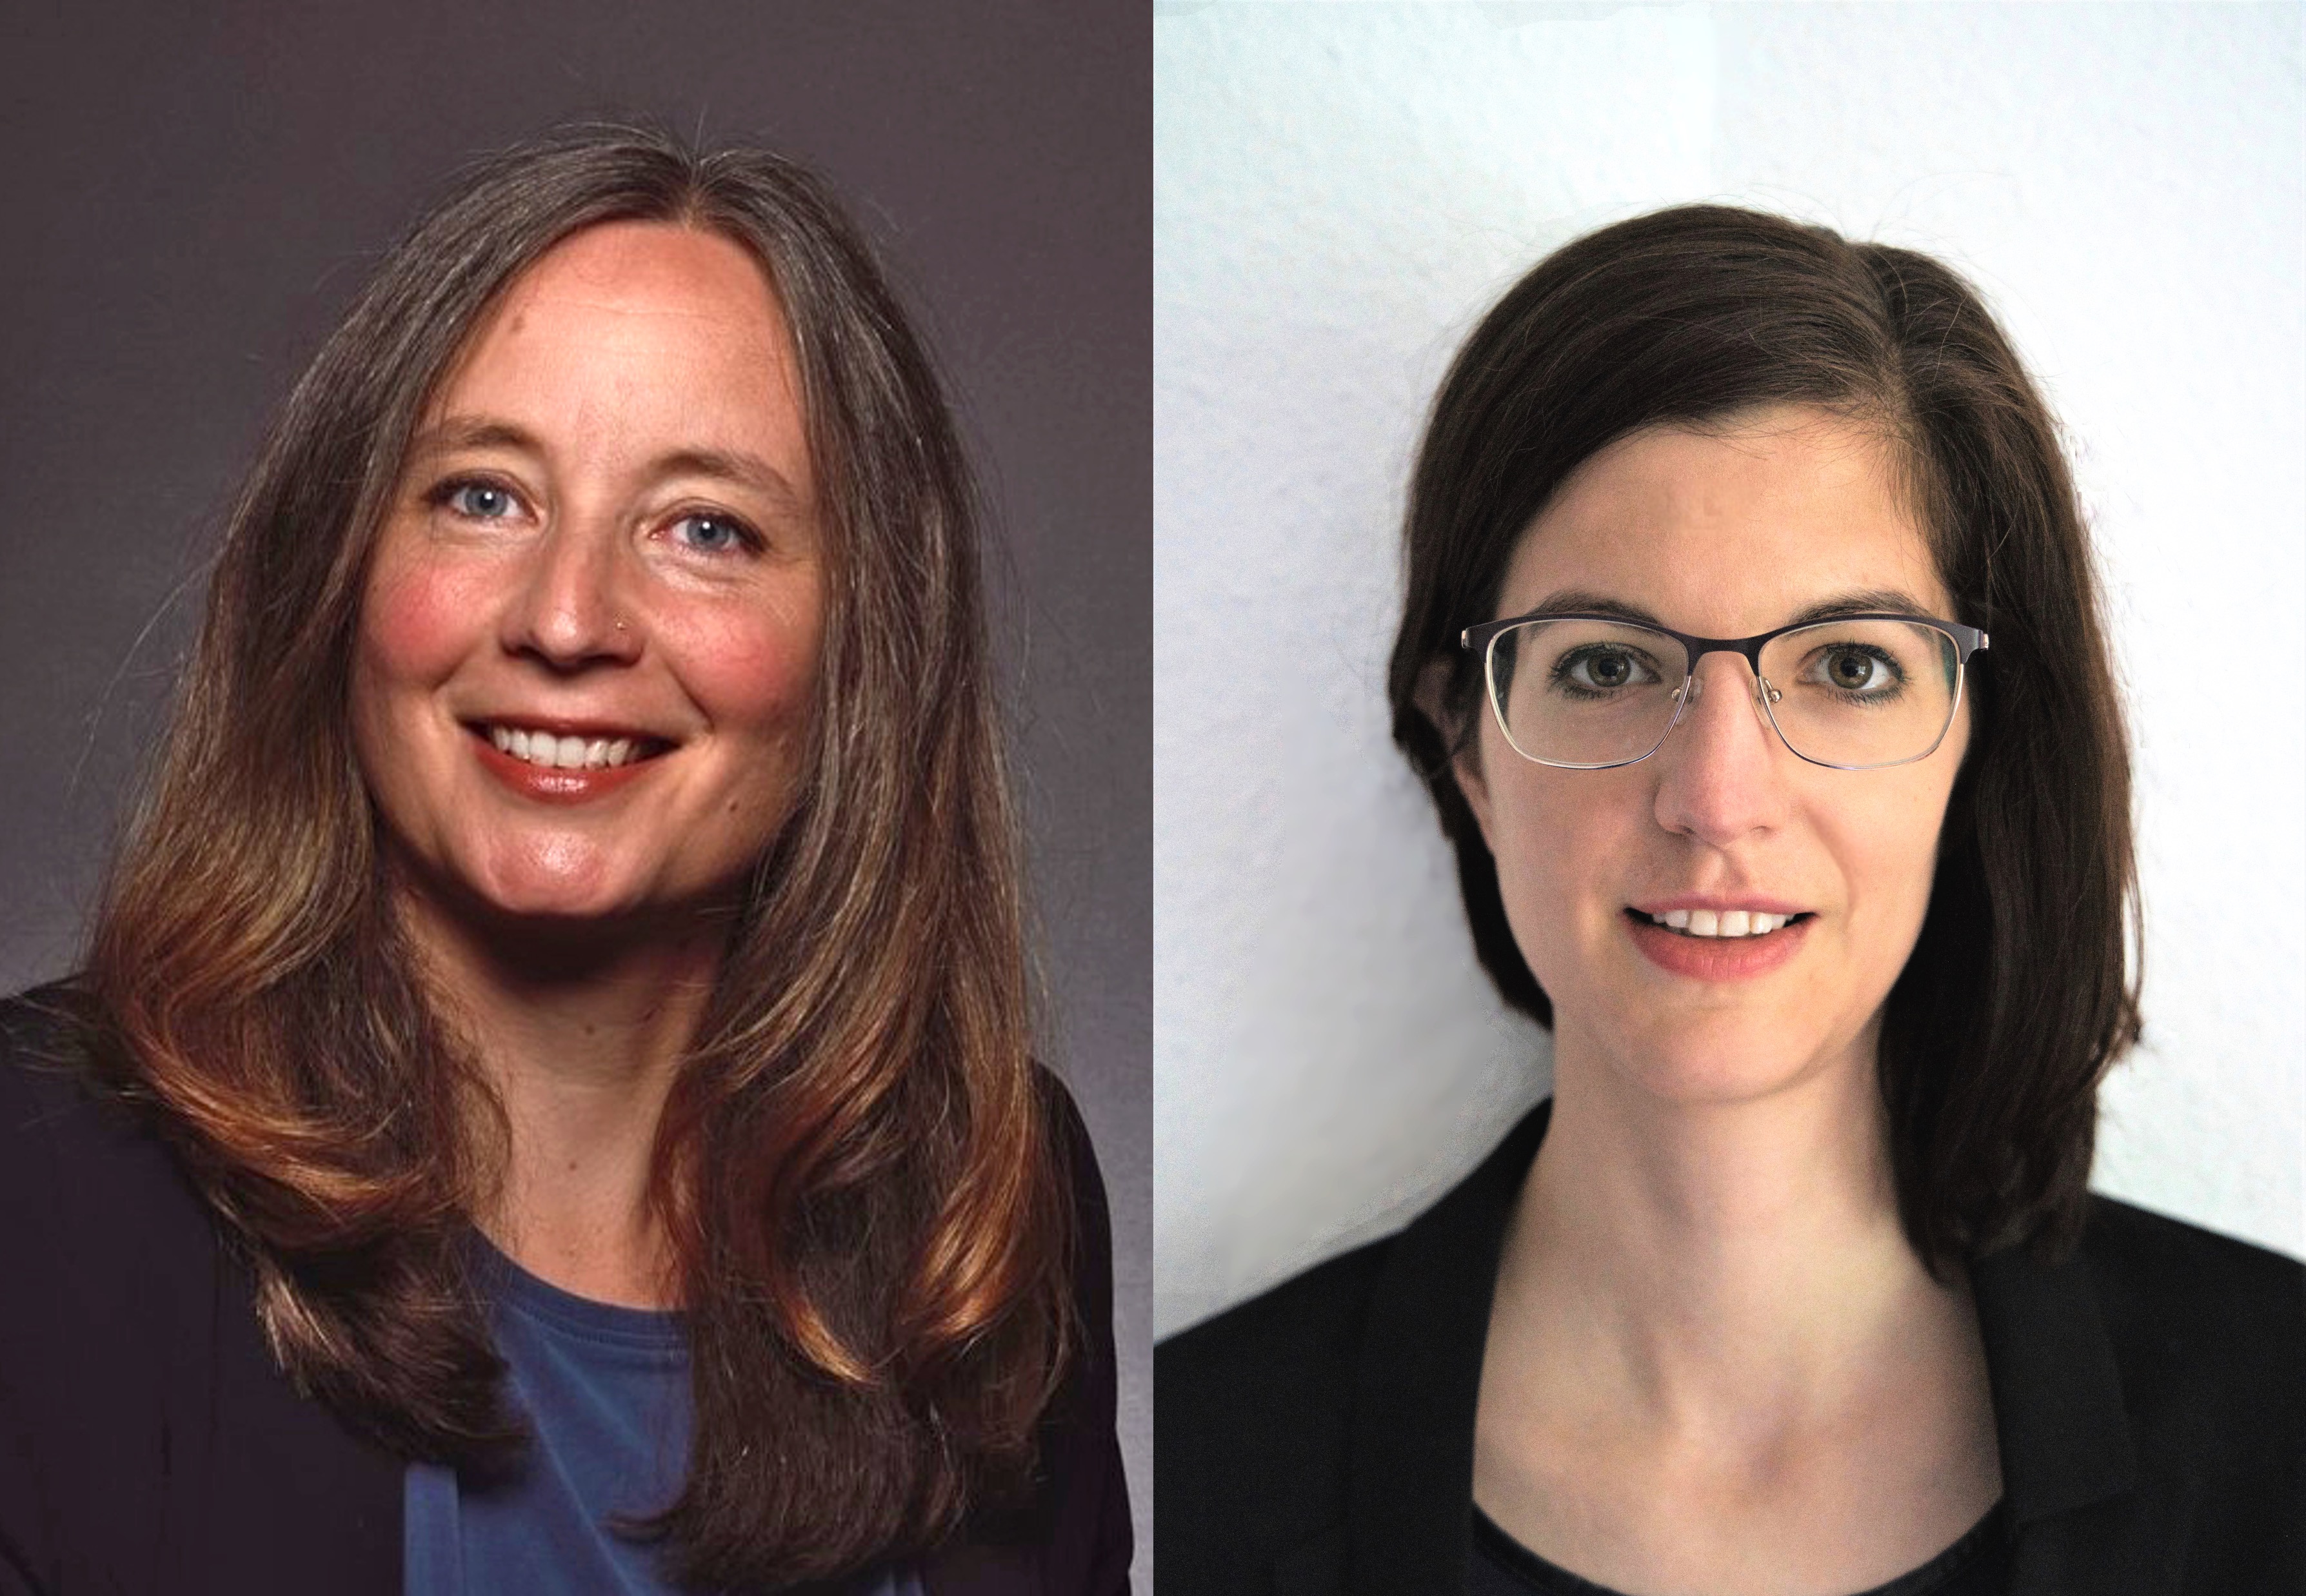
[2022,990]
[859,1166]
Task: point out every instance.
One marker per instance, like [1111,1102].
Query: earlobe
[1467,768]
[1466,755]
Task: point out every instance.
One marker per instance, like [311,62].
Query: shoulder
[98,1225]
[1076,1530]
[1088,1215]
[1304,1332]
[1075,1152]
[2152,1256]
[2208,1337]
[1373,1356]
[2200,1321]
[106,1278]
[44,1060]
[1251,1447]
[82,1174]
[2136,1252]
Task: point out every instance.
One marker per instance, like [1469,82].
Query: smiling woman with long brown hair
[548,1104]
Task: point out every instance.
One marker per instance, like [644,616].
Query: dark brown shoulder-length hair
[2022,988]
[859,1166]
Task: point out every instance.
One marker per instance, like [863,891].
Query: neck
[1712,1261]
[580,1031]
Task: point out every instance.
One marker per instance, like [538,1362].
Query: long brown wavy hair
[2022,988]
[859,1167]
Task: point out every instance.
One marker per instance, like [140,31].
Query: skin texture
[608,516]
[1714,1364]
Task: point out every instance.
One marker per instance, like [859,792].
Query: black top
[150,1444]
[2149,1398]
[1976,1565]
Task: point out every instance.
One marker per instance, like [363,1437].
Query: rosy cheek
[418,621]
[750,669]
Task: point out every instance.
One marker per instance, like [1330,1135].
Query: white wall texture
[1342,188]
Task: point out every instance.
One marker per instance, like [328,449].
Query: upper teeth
[565,753]
[1729,922]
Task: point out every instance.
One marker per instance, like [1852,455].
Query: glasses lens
[1584,692]
[1862,692]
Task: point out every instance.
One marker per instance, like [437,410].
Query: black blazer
[149,1443]
[2150,1394]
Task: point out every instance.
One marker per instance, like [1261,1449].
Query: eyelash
[443,495]
[444,492]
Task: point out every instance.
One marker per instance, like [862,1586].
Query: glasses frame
[1967,641]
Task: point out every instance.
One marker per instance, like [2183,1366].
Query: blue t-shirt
[605,1391]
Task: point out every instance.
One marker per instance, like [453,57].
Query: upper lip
[1718,904]
[583,726]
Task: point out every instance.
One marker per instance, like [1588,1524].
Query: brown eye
[1852,671]
[1604,669]
[1861,671]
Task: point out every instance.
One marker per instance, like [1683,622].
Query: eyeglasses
[1854,693]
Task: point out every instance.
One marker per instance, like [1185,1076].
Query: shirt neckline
[539,1301]
[1502,1549]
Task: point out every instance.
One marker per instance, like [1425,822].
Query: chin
[1718,1058]
[570,887]
[547,908]
[566,908]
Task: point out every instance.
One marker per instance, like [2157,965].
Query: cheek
[752,668]
[1559,850]
[1888,849]
[417,624]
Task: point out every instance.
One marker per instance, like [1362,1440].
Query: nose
[569,609]
[1720,775]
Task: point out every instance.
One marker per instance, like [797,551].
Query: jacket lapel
[1411,1474]
[2067,1455]
[2065,1436]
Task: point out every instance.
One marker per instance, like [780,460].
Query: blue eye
[479,500]
[708,531]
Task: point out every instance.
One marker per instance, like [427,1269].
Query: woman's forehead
[635,337]
[1727,529]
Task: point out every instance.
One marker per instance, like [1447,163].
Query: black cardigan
[150,1444]
[2150,1395]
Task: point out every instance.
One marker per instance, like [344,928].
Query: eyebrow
[745,469]
[1870,601]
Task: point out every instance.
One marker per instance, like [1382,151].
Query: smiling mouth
[1706,923]
[548,750]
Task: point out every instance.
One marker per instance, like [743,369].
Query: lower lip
[1716,957]
[551,784]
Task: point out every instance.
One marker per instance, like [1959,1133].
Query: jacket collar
[2057,1394]
[1410,1477]
[2057,1397]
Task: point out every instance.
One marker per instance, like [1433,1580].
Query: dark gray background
[195,193]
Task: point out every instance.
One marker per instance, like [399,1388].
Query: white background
[1341,189]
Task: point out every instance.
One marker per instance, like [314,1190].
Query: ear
[1465,741]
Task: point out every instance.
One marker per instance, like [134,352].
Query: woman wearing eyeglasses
[1752,652]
